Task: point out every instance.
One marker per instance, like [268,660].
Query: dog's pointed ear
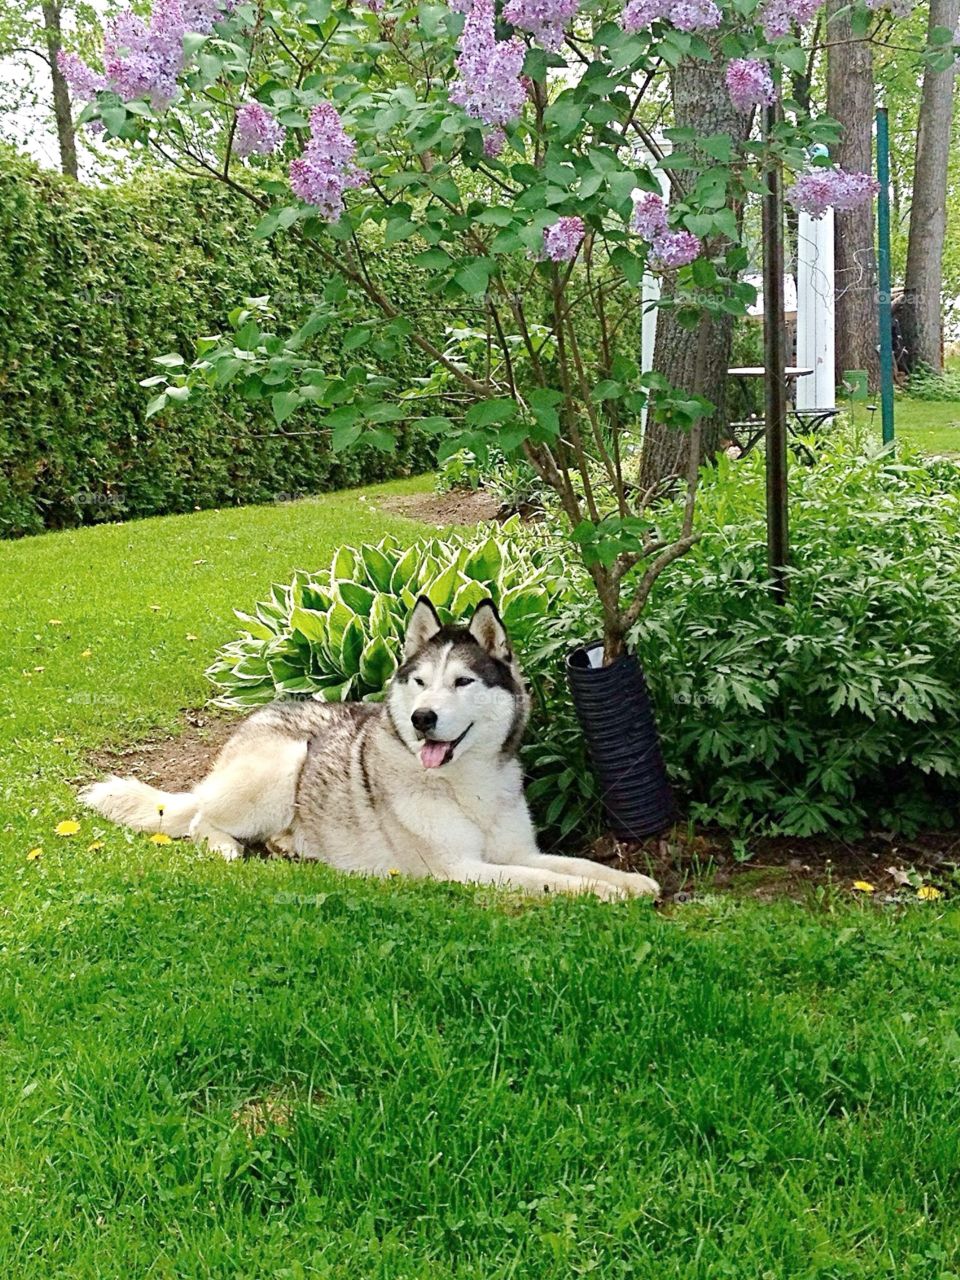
[422,627]
[489,632]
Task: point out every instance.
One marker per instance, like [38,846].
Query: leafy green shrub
[461,470]
[840,711]
[924,384]
[94,282]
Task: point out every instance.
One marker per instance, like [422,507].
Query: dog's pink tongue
[433,754]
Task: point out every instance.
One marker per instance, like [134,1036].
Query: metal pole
[883,273]
[775,382]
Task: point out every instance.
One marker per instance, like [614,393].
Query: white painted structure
[815,313]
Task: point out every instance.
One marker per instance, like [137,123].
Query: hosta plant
[338,634]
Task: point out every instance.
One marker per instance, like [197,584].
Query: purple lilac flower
[750,83]
[820,189]
[375,6]
[493,143]
[695,15]
[563,239]
[546,20]
[687,15]
[141,59]
[674,249]
[84,83]
[256,132]
[638,14]
[649,215]
[779,16]
[489,88]
[326,169]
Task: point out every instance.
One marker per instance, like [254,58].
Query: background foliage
[92,283]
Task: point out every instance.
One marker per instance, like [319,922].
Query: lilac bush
[506,143]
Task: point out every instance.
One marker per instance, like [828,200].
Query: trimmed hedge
[93,284]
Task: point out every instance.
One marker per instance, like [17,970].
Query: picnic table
[746,433]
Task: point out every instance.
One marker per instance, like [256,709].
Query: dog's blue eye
[461,682]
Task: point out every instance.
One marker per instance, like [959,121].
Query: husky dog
[426,783]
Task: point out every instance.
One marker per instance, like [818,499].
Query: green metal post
[775,363]
[883,272]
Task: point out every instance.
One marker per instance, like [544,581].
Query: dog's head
[459,688]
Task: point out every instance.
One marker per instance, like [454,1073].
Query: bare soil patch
[175,762]
[458,507]
[792,867]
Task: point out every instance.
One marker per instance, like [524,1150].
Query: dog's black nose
[424,721]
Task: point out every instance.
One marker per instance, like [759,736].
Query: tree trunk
[66,135]
[850,101]
[921,312]
[701,102]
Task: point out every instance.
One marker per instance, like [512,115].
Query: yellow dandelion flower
[928,893]
[394,871]
[69,827]
[160,810]
[864,886]
[87,653]
[160,837]
[55,622]
[34,854]
[190,637]
[94,846]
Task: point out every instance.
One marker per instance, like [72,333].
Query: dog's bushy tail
[133,803]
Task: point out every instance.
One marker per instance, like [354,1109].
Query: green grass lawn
[932,425]
[264,1070]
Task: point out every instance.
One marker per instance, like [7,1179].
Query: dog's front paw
[606,890]
[638,886]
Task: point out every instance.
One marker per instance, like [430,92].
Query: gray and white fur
[426,783]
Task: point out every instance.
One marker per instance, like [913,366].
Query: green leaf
[484,562]
[377,663]
[351,647]
[355,338]
[356,596]
[474,276]
[310,624]
[283,404]
[378,568]
[488,412]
